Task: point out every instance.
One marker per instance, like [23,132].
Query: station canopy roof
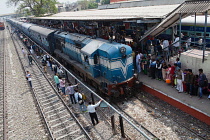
[160,11]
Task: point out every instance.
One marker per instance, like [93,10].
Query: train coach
[2,27]
[188,28]
[107,66]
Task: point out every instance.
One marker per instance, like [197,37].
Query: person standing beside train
[57,81]
[202,82]
[153,68]
[176,45]
[190,82]
[79,100]
[70,91]
[30,59]
[180,79]
[92,112]
[200,43]
[165,49]
[189,40]
[138,59]
[23,52]
[28,77]
[62,85]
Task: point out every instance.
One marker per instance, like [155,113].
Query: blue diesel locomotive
[107,66]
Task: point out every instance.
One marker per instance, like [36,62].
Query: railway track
[130,133]
[140,126]
[60,122]
[161,110]
[3,111]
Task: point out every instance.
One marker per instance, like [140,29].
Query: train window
[86,59]
[198,34]
[95,59]
[78,45]
[185,33]
[59,43]
[207,35]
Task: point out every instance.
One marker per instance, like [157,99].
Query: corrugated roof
[116,14]
[185,9]
[195,7]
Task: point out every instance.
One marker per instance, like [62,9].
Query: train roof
[91,47]
[112,48]
[105,46]
[200,20]
[44,31]
[73,36]
[27,25]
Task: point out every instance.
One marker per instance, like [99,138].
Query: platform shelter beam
[204,43]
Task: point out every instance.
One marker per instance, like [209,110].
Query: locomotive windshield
[60,43]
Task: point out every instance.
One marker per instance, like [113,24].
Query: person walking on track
[30,59]
[70,91]
[57,81]
[24,53]
[92,112]
[62,85]
[28,77]
[80,101]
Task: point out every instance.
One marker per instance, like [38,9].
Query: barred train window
[95,59]
[86,59]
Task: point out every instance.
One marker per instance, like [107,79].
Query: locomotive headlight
[122,49]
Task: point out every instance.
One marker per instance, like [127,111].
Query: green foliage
[92,5]
[85,4]
[34,7]
[105,2]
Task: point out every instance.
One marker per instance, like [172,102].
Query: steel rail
[4,88]
[165,114]
[140,131]
[39,107]
[72,114]
[155,137]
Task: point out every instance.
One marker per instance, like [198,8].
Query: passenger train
[107,66]
[196,32]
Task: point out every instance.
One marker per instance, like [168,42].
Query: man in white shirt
[92,112]
[28,77]
[138,60]
[189,42]
[176,45]
[165,48]
[200,43]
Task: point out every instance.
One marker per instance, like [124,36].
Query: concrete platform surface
[191,105]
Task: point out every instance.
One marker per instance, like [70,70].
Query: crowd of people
[183,80]
[75,97]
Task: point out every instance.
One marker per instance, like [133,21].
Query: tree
[105,2]
[34,7]
[85,4]
[92,5]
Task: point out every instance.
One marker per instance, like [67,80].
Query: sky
[5,10]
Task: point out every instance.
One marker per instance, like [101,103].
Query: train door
[60,44]
[96,64]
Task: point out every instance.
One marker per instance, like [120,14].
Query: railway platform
[198,108]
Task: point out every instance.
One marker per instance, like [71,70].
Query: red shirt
[172,69]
